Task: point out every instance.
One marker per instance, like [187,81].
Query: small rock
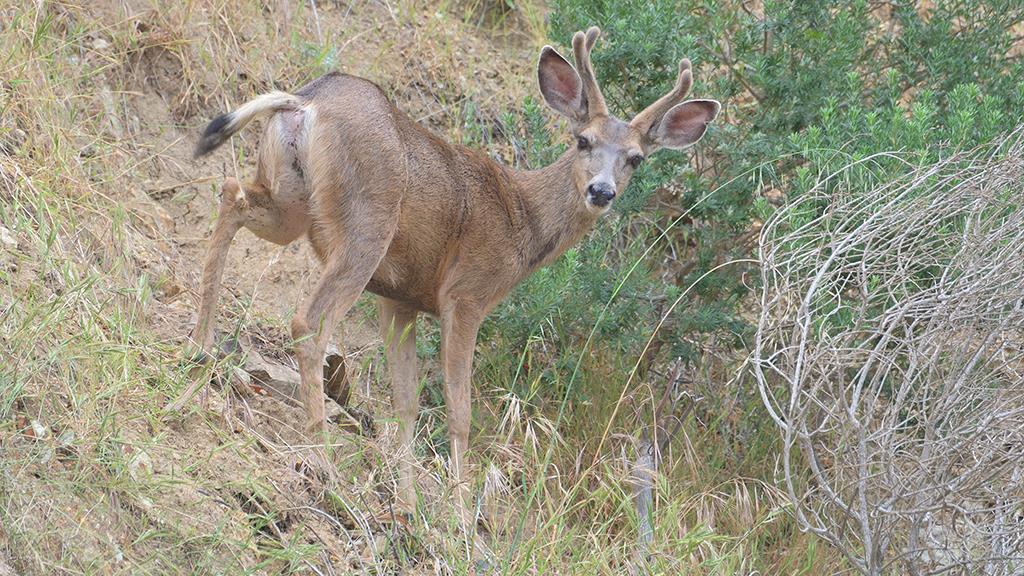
[67,438]
[282,382]
[241,383]
[139,464]
[228,346]
[336,383]
[39,431]
[7,239]
[774,196]
[12,141]
[106,96]
[272,378]
[168,290]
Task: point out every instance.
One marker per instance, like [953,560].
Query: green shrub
[808,86]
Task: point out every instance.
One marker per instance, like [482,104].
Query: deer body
[467,227]
[428,226]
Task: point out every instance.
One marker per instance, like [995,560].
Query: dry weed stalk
[890,354]
[670,412]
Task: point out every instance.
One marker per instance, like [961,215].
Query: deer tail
[226,125]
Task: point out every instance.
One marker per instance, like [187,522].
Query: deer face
[607,153]
[608,149]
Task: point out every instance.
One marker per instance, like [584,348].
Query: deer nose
[600,193]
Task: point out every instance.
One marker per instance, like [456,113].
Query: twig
[888,354]
[316,20]
[668,418]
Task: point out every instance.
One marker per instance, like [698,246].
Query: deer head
[608,149]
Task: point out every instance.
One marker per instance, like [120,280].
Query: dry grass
[102,216]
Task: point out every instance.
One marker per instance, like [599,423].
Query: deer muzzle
[600,194]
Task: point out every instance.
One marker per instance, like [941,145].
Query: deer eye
[582,143]
[635,160]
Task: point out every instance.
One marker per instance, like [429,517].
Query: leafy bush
[807,87]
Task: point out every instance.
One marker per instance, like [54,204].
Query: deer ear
[684,124]
[560,85]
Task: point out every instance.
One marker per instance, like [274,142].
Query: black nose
[600,194]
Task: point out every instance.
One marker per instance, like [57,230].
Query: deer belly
[401,283]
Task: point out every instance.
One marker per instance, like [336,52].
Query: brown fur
[428,226]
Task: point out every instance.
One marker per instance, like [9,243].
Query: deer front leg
[459,326]
[230,218]
[398,328]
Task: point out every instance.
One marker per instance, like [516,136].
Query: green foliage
[808,87]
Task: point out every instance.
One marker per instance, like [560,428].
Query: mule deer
[426,225]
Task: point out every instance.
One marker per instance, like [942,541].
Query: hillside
[103,216]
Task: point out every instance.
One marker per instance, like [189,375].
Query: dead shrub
[890,355]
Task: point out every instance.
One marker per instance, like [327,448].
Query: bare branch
[890,354]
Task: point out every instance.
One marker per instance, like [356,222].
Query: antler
[653,113]
[582,44]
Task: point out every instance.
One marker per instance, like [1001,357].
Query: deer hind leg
[250,206]
[348,266]
[398,328]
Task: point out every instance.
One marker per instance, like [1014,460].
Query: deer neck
[556,215]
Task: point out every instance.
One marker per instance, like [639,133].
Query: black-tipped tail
[216,133]
[226,125]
